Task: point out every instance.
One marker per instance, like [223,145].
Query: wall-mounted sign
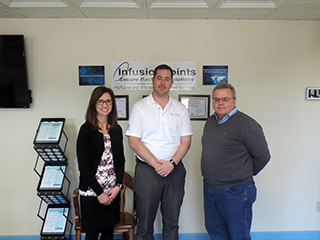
[213,75]
[198,106]
[91,75]
[122,102]
[313,93]
[138,75]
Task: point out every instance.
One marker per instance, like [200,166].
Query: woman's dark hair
[91,114]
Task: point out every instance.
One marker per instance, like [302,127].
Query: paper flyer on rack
[55,221]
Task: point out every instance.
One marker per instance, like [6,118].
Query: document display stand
[50,143]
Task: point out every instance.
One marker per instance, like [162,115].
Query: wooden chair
[127,220]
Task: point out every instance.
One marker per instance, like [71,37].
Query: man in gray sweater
[234,149]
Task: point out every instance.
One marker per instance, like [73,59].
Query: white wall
[270,65]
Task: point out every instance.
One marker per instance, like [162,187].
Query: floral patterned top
[105,174]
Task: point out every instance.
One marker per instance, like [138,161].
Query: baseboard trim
[299,235]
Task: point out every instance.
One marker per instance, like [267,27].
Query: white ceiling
[302,10]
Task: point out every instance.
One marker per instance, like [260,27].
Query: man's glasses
[225,99]
[101,102]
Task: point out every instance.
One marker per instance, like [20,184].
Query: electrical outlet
[318,206]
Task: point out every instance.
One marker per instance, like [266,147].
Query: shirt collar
[228,116]
[152,101]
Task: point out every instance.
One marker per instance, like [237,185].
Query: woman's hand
[104,199]
[112,194]
[107,198]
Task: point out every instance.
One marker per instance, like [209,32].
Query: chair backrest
[128,183]
[75,198]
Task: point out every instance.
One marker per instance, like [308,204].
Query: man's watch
[120,185]
[173,163]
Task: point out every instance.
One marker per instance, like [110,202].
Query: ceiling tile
[159,9]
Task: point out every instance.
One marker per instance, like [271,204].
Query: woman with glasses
[101,165]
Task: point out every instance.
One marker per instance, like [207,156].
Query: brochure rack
[50,143]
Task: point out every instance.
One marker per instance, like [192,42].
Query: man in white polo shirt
[159,132]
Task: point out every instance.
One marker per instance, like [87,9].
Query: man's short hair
[161,67]
[224,85]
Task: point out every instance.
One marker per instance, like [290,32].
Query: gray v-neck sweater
[233,151]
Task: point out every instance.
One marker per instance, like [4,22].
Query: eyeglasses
[101,102]
[225,99]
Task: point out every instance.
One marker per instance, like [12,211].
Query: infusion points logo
[118,77]
[126,73]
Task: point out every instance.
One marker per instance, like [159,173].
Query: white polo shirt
[159,129]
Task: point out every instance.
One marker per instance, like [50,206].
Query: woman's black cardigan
[90,147]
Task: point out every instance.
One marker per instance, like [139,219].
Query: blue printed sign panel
[91,75]
[213,75]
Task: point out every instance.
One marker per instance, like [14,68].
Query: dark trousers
[151,190]
[106,234]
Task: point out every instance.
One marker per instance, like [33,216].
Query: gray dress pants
[152,190]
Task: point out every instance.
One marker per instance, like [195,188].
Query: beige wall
[270,65]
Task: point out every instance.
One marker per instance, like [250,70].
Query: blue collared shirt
[226,117]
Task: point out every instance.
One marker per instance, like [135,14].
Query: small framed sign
[197,105]
[122,102]
[313,93]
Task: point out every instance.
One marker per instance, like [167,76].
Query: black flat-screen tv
[14,91]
